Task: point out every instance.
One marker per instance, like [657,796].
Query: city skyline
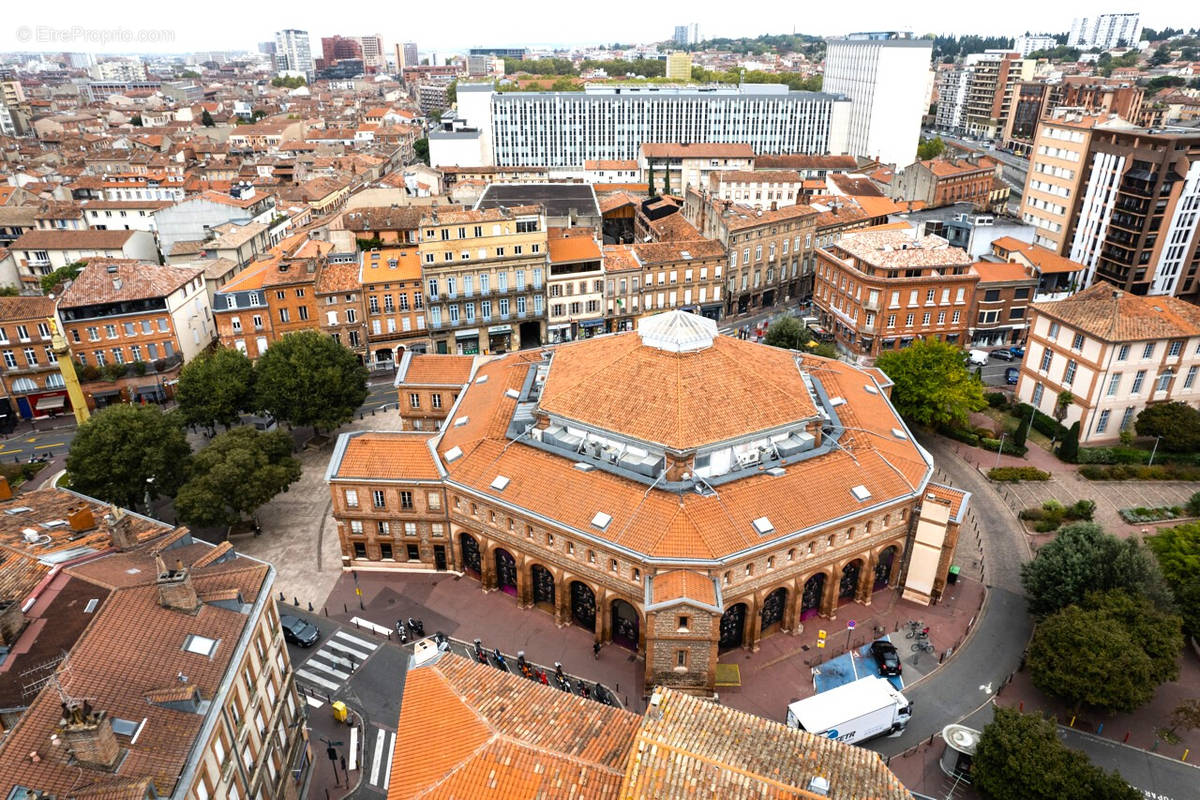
[93,30]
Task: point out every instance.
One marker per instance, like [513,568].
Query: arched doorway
[810,599]
[471,561]
[848,587]
[506,572]
[772,609]
[624,625]
[543,585]
[583,605]
[883,568]
[733,627]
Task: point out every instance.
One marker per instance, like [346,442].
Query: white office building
[1031,44]
[610,123]
[952,86]
[886,76]
[1106,31]
[292,51]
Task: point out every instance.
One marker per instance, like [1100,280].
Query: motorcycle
[415,627]
[541,676]
[401,631]
[480,653]
[523,665]
[442,641]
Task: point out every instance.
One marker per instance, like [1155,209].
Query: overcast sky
[448,26]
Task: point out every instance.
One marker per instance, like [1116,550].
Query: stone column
[829,595]
[562,603]
[524,584]
[487,567]
[866,579]
[755,620]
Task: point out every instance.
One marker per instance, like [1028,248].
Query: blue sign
[831,734]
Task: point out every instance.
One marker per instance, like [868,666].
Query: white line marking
[353,748]
[337,673]
[376,761]
[312,701]
[366,644]
[308,676]
[371,626]
[342,650]
[391,753]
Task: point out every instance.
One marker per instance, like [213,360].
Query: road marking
[387,765]
[353,747]
[341,648]
[366,644]
[312,662]
[312,701]
[375,762]
[44,446]
[308,676]
[10,452]
[986,687]
[365,623]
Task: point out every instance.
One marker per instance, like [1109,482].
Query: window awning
[107,393]
[50,403]
[590,323]
[467,334]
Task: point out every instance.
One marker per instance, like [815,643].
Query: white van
[977,358]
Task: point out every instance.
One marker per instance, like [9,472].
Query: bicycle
[913,627]
[922,646]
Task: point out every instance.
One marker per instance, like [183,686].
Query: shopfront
[712,311]
[466,342]
[559,332]
[149,393]
[590,327]
[499,339]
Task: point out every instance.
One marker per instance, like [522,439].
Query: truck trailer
[852,712]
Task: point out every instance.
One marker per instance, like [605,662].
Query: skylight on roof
[899,434]
[91,605]
[200,645]
[871,389]
[458,423]
[17,510]
[860,492]
[481,379]
[837,401]
[453,453]
[601,520]
[513,393]
[499,483]
[763,526]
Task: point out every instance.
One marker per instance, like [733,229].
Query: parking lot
[995,368]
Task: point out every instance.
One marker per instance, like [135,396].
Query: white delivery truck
[852,712]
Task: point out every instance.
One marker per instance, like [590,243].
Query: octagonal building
[674,491]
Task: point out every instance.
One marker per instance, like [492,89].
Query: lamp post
[1153,451]
[1000,448]
[149,486]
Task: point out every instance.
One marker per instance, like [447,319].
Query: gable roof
[128,280]
[1107,313]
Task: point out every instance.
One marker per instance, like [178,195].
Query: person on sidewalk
[596,650]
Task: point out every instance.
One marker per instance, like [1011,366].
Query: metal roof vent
[860,492]
[777,471]
[513,393]
[871,389]
[583,466]
[453,453]
[899,434]
[499,482]
[458,423]
[481,379]
[763,526]
[819,786]
[601,520]
[837,401]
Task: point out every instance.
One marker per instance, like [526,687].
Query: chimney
[6,491]
[12,622]
[175,588]
[81,519]
[89,736]
[120,529]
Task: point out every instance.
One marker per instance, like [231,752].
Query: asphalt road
[21,445]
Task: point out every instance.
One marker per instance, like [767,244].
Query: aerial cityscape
[673,405]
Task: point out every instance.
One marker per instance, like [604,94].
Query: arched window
[25,385]
[55,381]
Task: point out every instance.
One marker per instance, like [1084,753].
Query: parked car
[1017,350]
[1011,375]
[886,657]
[977,358]
[298,631]
[1003,355]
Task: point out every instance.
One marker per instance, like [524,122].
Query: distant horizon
[166,33]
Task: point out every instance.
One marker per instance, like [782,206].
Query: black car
[299,632]
[886,657]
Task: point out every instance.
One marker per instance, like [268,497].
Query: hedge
[1048,426]
[1015,474]
[1141,514]
[1052,514]
[961,435]
[996,399]
[1011,448]
[1130,455]
[1140,472]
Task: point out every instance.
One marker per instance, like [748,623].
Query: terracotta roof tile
[696,150]
[991,272]
[1116,316]
[131,281]
[13,309]
[55,239]
[679,584]
[377,265]
[382,455]
[429,369]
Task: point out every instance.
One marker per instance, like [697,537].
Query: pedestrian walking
[596,650]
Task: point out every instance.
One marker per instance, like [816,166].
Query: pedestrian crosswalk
[381,759]
[331,666]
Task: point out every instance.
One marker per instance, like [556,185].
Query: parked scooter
[401,631]
[500,662]
[480,653]
[416,627]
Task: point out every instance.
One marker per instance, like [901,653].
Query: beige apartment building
[1115,352]
[677,168]
[881,290]
[575,287]
[485,278]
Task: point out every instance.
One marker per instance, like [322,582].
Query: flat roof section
[559,199]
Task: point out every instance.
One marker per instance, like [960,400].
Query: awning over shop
[500,329]
[591,323]
[467,334]
[152,390]
[50,403]
[107,393]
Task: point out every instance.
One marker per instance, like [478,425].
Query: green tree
[930,148]
[452,92]
[239,471]
[9,291]
[288,82]
[1177,423]
[1083,558]
[1160,56]
[307,378]
[651,178]
[421,149]
[1111,653]
[1164,82]
[206,120]
[1186,715]
[1069,449]
[215,388]
[788,333]
[136,120]
[124,451]
[932,384]
[1177,551]
[1020,757]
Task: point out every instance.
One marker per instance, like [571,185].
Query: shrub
[1032,514]
[1042,423]
[996,399]
[1093,472]
[1069,449]
[91,372]
[1141,472]
[113,371]
[1081,510]
[160,364]
[1193,505]
[1010,447]
[1046,526]
[1015,474]
[139,368]
[961,435]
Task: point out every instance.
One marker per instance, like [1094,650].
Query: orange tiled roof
[991,272]
[437,369]
[390,455]
[129,280]
[619,257]
[14,309]
[1047,261]
[681,583]
[377,265]
[336,278]
[696,150]
[572,248]
[490,734]
[1116,316]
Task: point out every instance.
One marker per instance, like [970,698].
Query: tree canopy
[68,272]
[1111,652]
[206,119]
[125,450]
[1083,558]
[1178,553]
[790,333]
[1020,757]
[1177,423]
[307,378]
[930,148]
[932,384]
[236,473]
[215,388]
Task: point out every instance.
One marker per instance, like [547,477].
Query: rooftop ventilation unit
[453,453]
[837,401]
[499,482]
[871,389]
[763,526]
[12,512]
[481,379]
[583,466]
[899,434]
[777,471]
[601,520]
[860,492]
[458,423]
[513,393]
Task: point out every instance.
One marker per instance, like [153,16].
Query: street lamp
[149,486]
[1000,448]
[1153,451]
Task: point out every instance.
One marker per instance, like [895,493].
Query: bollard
[361,607]
[1100,729]
[1072,723]
[281,598]
[310,608]
[344,609]
[1185,755]
[326,610]
[1126,739]
[1021,706]
[1154,747]
[295,601]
